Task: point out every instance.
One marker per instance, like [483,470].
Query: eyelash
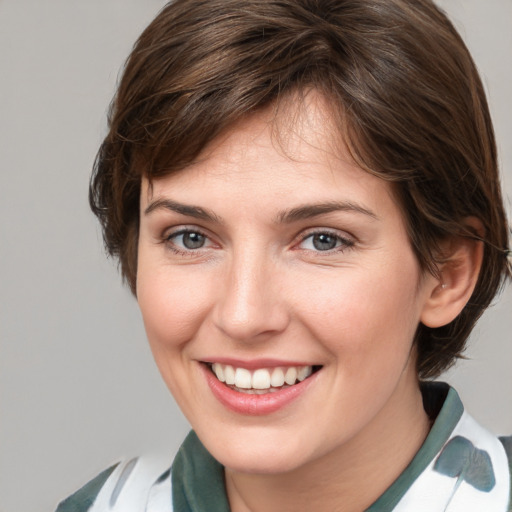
[342,243]
[345,243]
[171,245]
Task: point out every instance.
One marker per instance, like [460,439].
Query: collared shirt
[461,467]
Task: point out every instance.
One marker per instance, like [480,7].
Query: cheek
[173,311]
[172,306]
[364,315]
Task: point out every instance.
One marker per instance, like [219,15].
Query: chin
[258,454]
[256,464]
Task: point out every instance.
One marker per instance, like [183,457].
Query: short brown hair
[404,90]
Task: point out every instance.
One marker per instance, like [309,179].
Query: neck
[347,479]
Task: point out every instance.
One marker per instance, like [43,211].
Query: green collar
[442,403]
[198,479]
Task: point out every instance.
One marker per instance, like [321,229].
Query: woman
[303,196]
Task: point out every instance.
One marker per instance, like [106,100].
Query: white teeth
[219,371]
[304,372]
[243,378]
[229,375]
[277,379]
[262,380]
[290,376]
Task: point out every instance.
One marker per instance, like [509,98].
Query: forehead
[300,118]
[292,152]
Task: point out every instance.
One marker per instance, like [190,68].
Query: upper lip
[253,364]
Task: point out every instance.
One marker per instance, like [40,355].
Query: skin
[259,288]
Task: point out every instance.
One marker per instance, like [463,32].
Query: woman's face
[268,261]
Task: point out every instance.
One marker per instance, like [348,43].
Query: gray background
[78,388]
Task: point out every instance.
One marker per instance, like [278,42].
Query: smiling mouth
[262,380]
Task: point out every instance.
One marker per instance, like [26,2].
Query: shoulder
[127,486]
[507,444]
[82,499]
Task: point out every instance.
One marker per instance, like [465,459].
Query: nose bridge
[250,303]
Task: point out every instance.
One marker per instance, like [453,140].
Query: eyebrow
[286,217]
[313,210]
[184,209]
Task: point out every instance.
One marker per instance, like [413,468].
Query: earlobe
[458,275]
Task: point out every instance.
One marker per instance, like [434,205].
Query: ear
[458,275]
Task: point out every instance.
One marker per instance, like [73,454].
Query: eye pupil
[324,242]
[193,240]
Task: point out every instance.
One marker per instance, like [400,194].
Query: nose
[251,305]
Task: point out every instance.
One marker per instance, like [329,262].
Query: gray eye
[193,240]
[324,241]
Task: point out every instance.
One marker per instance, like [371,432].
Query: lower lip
[255,405]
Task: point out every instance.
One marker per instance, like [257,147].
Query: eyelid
[180,230]
[347,240]
[171,233]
